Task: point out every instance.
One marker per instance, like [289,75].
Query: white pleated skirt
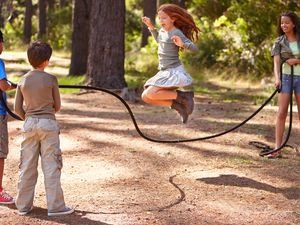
[172,77]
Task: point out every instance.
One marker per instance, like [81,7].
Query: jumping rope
[263,153]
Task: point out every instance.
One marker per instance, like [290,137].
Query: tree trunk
[1,14]
[106,44]
[27,21]
[149,11]
[42,18]
[80,37]
[62,3]
[51,4]
[6,9]
[181,3]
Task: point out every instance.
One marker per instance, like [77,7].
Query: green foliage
[211,9]
[209,47]
[59,28]
[12,36]
[133,28]
[13,29]
[236,35]
[140,66]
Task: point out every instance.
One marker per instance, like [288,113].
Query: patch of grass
[245,161]
[71,80]
[203,90]
[230,88]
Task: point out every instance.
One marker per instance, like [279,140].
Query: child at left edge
[5,85]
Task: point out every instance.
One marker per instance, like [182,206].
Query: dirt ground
[113,176]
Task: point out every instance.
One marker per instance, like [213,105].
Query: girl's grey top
[168,56]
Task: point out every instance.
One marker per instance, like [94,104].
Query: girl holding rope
[177,32]
[286,49]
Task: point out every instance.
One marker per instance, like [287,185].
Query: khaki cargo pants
[40,138]
[3,137]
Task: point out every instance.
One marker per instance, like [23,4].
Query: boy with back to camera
[40,94]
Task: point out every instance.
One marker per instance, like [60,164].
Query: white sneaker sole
[61,213]
[25,213]
[7,203]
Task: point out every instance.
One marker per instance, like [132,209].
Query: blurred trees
[236,34]
[149,9]
[27,21]
[80,37]
[42,18]
[5,10]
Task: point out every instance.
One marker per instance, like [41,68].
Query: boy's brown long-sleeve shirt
[40,93]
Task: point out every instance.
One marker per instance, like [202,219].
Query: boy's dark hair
[1,36]
[38,52]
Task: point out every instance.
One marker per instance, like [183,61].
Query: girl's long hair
[295,20]
[182,20]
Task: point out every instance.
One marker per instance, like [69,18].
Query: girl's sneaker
[6,198]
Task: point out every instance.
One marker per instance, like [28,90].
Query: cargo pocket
[49,125]
[21,159]
[28,125]
[58,159]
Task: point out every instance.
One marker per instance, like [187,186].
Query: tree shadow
[234,180]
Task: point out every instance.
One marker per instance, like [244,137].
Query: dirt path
[115,177]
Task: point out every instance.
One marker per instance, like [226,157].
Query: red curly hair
[182,20]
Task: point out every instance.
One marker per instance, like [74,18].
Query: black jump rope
[266,149]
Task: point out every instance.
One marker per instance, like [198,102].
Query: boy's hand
[177,41]
[146,20]
[12,85]
[6,85]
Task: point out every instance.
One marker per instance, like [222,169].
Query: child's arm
[276,62]
[182,41]
[146,20]
[149,24]
[18,105]
[5,85]
[56,96]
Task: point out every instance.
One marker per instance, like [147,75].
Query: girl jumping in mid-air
[177,32]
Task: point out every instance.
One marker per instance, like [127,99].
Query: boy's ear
[46,63]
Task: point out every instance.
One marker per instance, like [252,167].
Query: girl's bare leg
[159,96]
[165,97]
[297,97]
[283,103]
[166,103]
